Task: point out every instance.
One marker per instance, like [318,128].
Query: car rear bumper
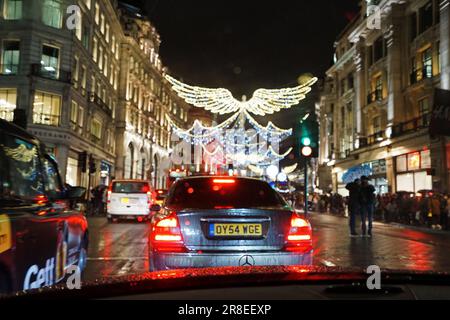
[167,261]
[128,215]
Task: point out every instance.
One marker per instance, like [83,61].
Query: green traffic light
[306,141]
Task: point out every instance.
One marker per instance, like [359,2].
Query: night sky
[245,45]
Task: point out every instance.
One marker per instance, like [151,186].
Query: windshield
[145,137]
[130,187]
[215,193]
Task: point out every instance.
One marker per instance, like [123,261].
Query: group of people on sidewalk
[361,202]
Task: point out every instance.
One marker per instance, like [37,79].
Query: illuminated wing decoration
[266,101]
[221,101]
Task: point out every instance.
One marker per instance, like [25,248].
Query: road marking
[116,258]
[126,268]
[328,263]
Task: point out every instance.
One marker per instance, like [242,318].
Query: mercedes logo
[246,261]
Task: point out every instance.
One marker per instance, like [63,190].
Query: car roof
[219,177]
[17,131]
[130,180]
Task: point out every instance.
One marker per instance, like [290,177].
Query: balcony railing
[420,74]
[46,119]
[413,125]
[372,139]
[376,95]
[93,98]
[51,73]
[95,139]
[9,69]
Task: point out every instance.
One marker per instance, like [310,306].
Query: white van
[129,199]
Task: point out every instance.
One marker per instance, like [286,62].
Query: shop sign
[440,116]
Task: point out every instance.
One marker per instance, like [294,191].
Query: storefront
[374,170]
[413,171]
[72,172]
[105,173]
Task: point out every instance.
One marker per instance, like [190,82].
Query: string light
[221,100]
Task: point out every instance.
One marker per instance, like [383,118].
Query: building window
[102,23]
[107,33]
[46,109]
[100,58]
[427,62]
[105,70]
[79,27]
[76,68]
[378,49]
[50,61]
[95,49]
[52,13]
[376,124]
[74,112]
[85,37]
[413,25]
[83,77]
[96,128]
[97,13]
[13,9]
[8,101]
[424,106]
[10,57]
[426,17]
[81,116]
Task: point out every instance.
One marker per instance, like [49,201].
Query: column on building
[393,34]
[445,43]
[360,90]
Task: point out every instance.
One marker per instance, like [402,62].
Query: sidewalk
[393,224]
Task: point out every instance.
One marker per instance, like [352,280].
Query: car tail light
[108,196]
[41,199]
[149,199]
[166,235]
[299,237]
[224,181]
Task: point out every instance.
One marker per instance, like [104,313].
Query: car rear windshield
[212,193]
[130,187]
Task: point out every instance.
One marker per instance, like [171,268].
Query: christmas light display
[248,150]
[221,101]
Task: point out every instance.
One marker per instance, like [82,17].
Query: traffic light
[92,167]
[82,161]
[308,136]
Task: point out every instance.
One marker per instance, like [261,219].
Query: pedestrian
[354,206]
[367,197]
[436,212]
[391,209]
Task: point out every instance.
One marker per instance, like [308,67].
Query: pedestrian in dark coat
[367,206]
[354,206]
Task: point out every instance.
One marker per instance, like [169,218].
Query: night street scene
[225,150]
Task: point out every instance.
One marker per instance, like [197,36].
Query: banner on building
[440,116]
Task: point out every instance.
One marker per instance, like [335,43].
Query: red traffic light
[307,151]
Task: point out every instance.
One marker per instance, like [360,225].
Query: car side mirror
[74,193]
[155,208]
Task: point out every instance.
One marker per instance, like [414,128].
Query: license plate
[235,229]
[125,200]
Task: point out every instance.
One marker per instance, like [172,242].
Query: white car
[129,199]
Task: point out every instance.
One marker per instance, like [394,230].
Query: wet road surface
[121,248]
